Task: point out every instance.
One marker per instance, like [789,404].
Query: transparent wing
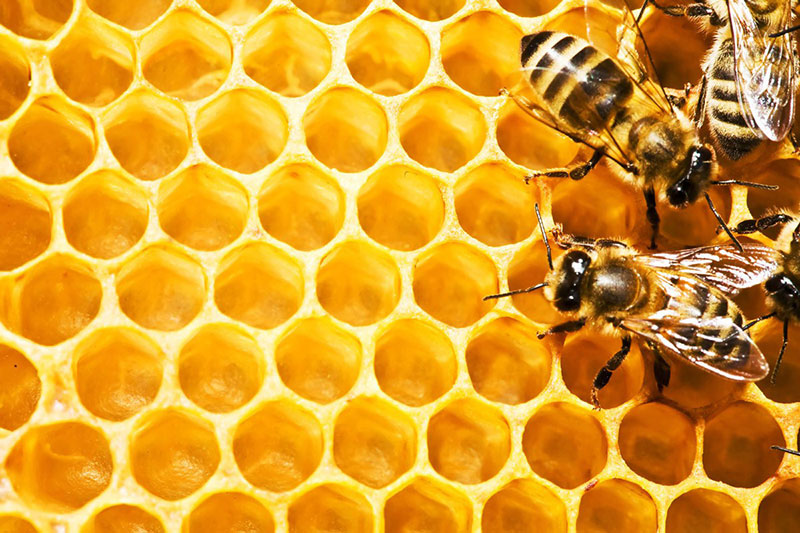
[765,71]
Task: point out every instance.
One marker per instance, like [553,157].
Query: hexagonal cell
[584,354]
[123,519]
[52,142]
[494,205]
[318,360]
[259,285]
[220,368]
[619,506]
[433,11]
[330,508]
[147,134]
[387,55]
[94,63]
[770,338]
[565,444]
[52,301]
[507,363]
[358,283]
[374,442]
[134,16]
[202,208]
[528,8]
[229,512]
[15,78]
[442,129]
[105,214]
[705,510]
[426,506]
[736,445]
[468,441]
[530,143]
[169,304]
[235,12]
[693,388]
[785,173]
[346,129]
[185,56]
[301,206]
[671,44]
[524,506]
[242,130]
[332,11]
[172,453]
[526,269]
[15,524]
[658,443]
[117,372]
[450,282]
[278,446]
[60,467]
[26,219]
[414,362]
[481,53]
[35,20]
[779,511]
[20,389]
[695,225]
[287,54]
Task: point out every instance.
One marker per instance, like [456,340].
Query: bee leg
[602,377]
[661,371]
[700,107]
[568,241]
[652,214]
[575,172]
[695,10]
[565,327]
[761,224]
[780,354]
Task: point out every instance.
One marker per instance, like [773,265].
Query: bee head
[566,279]
[695,179]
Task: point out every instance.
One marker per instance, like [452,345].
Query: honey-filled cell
[15,77]
[16,524]
[330,508]
[427,506]
[35,20]
[26,218]
[229,512]
[123,518]
[20,388]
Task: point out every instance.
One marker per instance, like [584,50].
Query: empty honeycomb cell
[105,214]
[60,467]
[705,510]
[35,19]
[242,130]
[185,56]
[414,362]
[229,512]
[769,339]
[736,445]
[15,77]
[123,518]
[494,205]
[400,208]
[148,135]
[524,506]
[670,42]
[785,173]
[234,11]
[779,511]
[330,509]
[132,15]
[450,282]
[387,55]
[26,220]
[585,354]
[528,8]
[658,443]
[278,446]
[117,372]
[692,388]
[358,283]
[52,301]
[259,285]
[169,304]
[332,11]
[441,128]
[468,441]
[172,453]
[565,444]
[695,225]
[287,54]
[346,129]
[526,269]
[433,11]
[481,52]
[528,142]
[507,363]
[15,524]
[318,360]
[20,389]
[425,506]
[202,207]
[52,142]
[374,442]
[619,506]
[94,64]
[220,368]
[301,206]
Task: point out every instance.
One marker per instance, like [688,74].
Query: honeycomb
[244,248]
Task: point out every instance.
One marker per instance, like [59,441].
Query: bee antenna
[544,236]
[785,31]
[723,224]
[512,293]
[746,184]
[785,450]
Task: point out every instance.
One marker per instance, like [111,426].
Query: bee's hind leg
[602,377]
[576,171]
[760,224]
[652,214]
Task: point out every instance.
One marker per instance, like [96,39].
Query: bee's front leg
[576,171]
[602,377]
[566,327]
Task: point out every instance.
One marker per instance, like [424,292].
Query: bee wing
[724,267]
[765,71]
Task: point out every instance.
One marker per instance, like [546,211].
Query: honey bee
[675,301]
